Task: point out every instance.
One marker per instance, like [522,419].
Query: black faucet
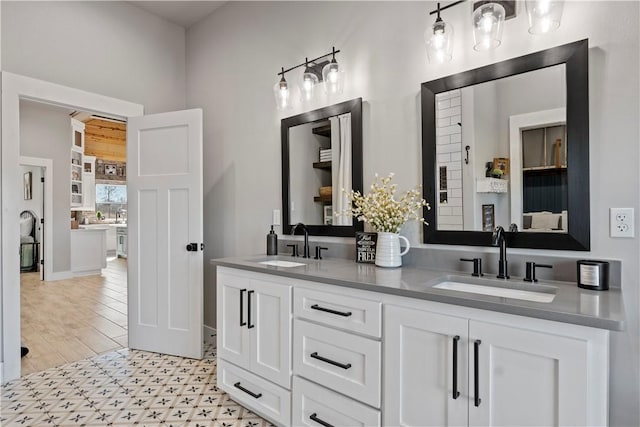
[305,250]
[499,240]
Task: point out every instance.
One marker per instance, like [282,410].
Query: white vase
[388,249]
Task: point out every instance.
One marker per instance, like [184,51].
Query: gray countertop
[598,309]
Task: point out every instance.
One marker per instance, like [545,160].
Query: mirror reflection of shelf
[322,165]
[323,199]
[324,130]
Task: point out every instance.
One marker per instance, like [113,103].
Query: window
[111,199]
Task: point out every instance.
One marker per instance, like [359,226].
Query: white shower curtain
[341,170]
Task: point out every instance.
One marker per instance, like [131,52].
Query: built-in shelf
[324,130]
[542,168]
[322,165]
[322,198]
[492,185]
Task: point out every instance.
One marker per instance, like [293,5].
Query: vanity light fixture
[282,93]
[488,21]
[439,40]
[544,15]
[315,71]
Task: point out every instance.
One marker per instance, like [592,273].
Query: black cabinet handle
[315,355]
[315,418]
[242,322]
[328,310]
[249,325]
[249,392]
[455,393]
[476,379]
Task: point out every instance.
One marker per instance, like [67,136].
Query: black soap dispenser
[272,242]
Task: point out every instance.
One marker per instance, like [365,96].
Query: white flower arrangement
[381,210]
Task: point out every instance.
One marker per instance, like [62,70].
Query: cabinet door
[233,336]
[270,329]
[418,368]
[526,378]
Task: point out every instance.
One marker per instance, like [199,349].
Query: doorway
[80,309]
[16,88]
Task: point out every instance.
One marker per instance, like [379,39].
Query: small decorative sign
[366,247]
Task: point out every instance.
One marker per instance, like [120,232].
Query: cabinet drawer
[344,362]
[314,404]
[341,311]
[257,394]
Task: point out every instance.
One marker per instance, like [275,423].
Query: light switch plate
[276,217]
[621,222]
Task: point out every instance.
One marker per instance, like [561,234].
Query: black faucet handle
[294,249]
[530,271]
[319,250]
[477,266]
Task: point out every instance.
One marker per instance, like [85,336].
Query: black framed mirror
[321,155]
[508,144]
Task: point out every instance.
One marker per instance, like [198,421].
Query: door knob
[192,247]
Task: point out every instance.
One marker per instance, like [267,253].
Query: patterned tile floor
[123,388]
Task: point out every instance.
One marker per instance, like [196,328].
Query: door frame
[14,88]
[46,251]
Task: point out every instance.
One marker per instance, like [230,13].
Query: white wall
[110,48]
[232,60]
[45,132]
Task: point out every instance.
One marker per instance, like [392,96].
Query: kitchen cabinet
[254,319]
[88,251]
[89,183]
[517,373]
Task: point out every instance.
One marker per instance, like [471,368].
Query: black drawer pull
[329,361]
[242,322]
[476,375]
[455,393]
[249,325]
[252,394]
[315,418]
[328,310]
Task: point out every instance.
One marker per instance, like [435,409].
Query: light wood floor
[69,320]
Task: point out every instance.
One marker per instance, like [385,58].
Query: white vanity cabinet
[509,370]
[254,339]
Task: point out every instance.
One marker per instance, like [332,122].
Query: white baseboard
[87,273]
[209,334]
[59,275]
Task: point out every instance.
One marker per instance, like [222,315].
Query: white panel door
[420,352]
[526,378]
[165,216]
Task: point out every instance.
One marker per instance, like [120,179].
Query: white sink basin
[280,263]
[527,295]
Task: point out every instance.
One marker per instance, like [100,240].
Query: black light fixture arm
[440,9]
[333,52]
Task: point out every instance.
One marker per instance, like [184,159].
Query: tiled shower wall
[449,154]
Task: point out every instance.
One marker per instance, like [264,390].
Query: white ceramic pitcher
[388,249]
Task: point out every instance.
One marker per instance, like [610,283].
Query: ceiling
[184,13]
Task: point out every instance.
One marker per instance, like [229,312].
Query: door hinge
[41,220]
[42,179]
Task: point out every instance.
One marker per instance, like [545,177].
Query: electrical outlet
[621,222]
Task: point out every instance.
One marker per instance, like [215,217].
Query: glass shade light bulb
[309,82]
[439,41]
[488,20]
[544,15]
[333,78]
[282,94]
